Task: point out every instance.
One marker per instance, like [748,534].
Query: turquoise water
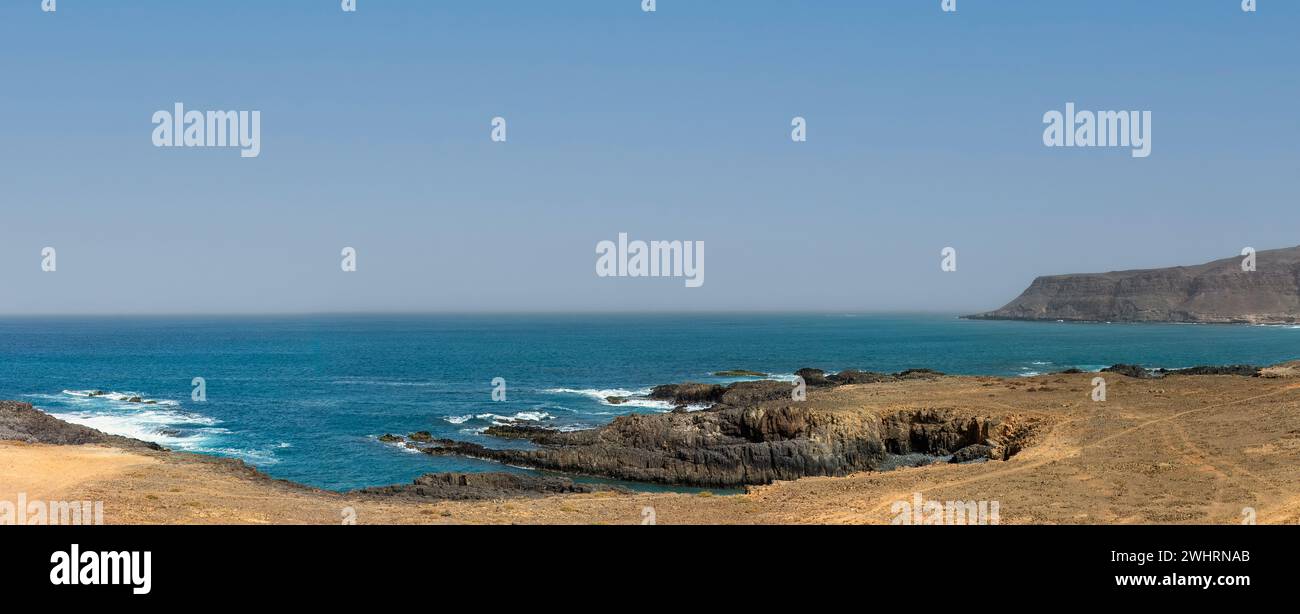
[305,397]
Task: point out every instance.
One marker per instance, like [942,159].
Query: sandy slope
[1178,450]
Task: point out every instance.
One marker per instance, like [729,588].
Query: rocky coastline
[22,423]
[753,433]
[749,433]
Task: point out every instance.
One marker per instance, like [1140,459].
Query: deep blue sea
[305,397]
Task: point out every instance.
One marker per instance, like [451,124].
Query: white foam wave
[523,416]
[631,398]
[252,455]
[783,377]
[400,444]
[121,397]
[601,394]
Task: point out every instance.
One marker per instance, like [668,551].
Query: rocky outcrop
[1216,292]
[1239,370]
[973,453]
[21,422]
[1139,372]
[481,486]
[853,376]
[1134,371]
[818,378]
[755,434]
[688,393]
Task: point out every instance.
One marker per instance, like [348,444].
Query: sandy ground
[1179,450]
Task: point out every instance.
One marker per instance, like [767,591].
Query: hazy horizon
[924,131]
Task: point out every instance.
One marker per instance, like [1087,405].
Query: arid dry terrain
[1177,449]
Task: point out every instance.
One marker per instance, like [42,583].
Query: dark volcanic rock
[1242,370]
[1217,292]
[19,421]
[814,377]
[478,486]
[739,373]
[972,453]
[1135,371]
[537,434]
[750,393]
[853,376]
[689,393]
[918,374]
[730,446]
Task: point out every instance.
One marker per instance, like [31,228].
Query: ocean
[305,398]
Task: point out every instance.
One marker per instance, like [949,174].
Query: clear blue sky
[924,132]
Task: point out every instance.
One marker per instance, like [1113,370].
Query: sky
[924,131]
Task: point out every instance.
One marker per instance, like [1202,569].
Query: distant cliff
[1217,292]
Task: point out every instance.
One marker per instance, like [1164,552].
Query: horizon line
[487,312]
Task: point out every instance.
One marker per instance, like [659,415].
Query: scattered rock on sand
[479,486]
